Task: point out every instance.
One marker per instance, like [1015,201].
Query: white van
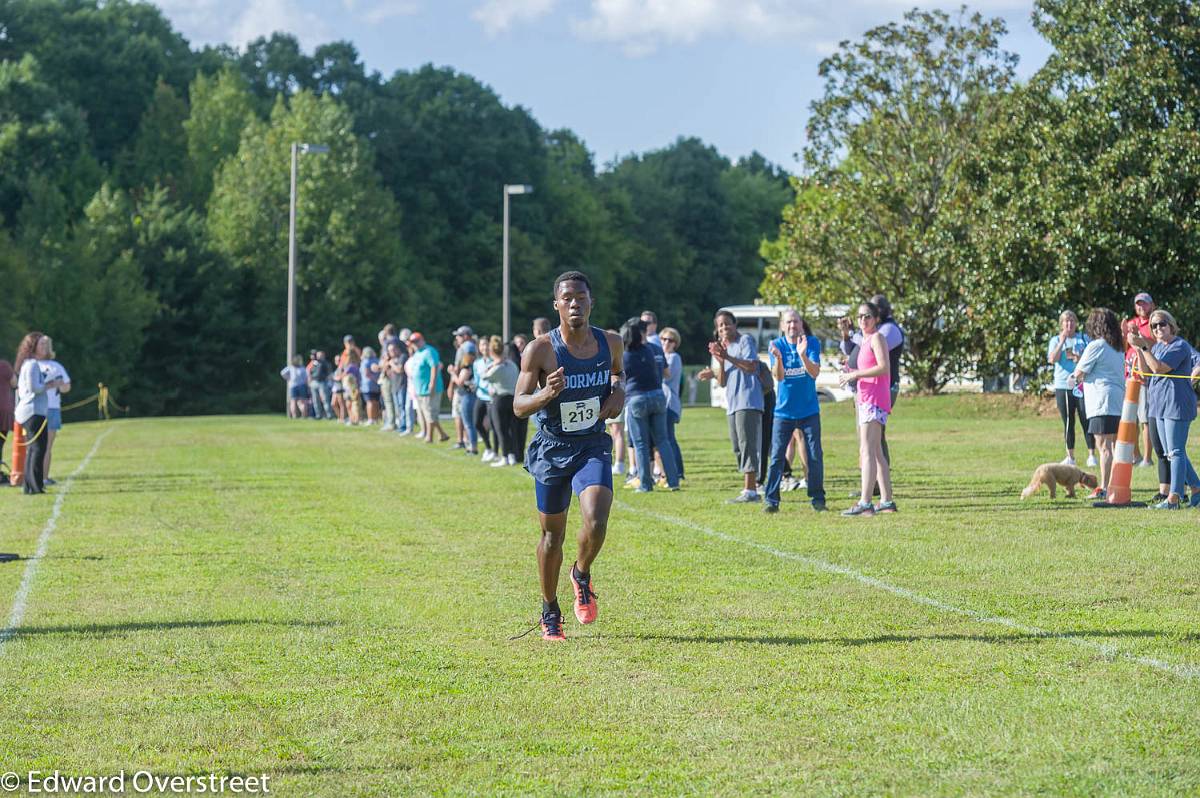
[761,322]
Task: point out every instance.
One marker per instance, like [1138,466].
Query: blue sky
[626,75]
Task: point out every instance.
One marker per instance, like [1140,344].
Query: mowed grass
[332,606]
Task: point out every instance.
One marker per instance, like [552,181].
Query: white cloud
[641,26]
[264,17]
[389,9]
[498,16]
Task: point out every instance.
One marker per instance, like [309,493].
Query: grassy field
[332,606]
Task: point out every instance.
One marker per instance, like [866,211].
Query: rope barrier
[1165,376]
[80,403]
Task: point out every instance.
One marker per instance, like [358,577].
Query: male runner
[571,378]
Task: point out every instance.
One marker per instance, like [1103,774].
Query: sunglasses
[1159,324]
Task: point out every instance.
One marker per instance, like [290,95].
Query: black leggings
[1164,465]
[520,435]
[1069,406]
[504,423]
[35,455]
[486,434]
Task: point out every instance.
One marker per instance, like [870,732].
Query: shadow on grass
[884,639]
[100,630]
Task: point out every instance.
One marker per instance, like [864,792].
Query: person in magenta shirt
[874,401]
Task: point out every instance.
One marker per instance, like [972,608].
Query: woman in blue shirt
[1064,352]
[646,404]
[1170,402]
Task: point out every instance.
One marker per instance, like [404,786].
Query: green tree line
[144,206]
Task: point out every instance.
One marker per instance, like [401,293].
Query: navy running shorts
[560,466]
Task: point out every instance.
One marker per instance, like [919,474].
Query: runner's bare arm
[537,385]
[616,400]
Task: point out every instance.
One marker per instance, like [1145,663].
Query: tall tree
[221,109]
[352,264]
[886,207]
[1091,186]
[158,153]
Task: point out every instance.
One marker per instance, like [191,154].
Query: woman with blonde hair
[670,340]
[1063,353]
[1170,401]
[33,407]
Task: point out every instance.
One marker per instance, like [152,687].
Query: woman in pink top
[874,405]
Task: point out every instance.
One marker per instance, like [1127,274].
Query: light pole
[509,190]
[297,149]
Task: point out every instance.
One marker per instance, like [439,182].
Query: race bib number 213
[578,416]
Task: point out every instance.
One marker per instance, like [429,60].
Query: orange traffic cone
[17,475]
[1121,480]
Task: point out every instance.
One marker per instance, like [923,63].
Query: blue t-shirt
[742,391]
[1168,397]
[796,394]
[1064,367]
[427,361]
[483,388]
[370,377]
[643,370]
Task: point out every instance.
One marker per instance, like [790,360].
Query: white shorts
[868,413]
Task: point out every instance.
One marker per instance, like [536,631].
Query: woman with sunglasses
[671,387]
[1170,401]
[874,406]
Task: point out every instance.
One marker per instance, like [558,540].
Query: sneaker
[386,428]
[1166,505]
[459,445]
[1145,462]
[1192,502]
[585,599]
[819,507]
[618,469]
[1158,497]
[867,509]
[1098,493]
[49,481]
[640,489]
[552,627]
[488,455]
[746,497]
[632,482]
[800,483]
[785,484]
[500,462]
[887,507]
[512,459]
[770,508]
[1091,461]
[1068,460]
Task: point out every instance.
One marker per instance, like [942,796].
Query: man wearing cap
[1139,325]
[428,375]
[462,399]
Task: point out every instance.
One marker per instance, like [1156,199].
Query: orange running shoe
[552,627]
[585,599]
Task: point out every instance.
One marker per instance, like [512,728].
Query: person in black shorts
[571,380]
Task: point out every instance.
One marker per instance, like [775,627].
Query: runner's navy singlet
[576,411]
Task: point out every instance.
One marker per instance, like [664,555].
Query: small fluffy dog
[1053,474]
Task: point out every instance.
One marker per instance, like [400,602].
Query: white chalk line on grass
[20,602]
[1109,652]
